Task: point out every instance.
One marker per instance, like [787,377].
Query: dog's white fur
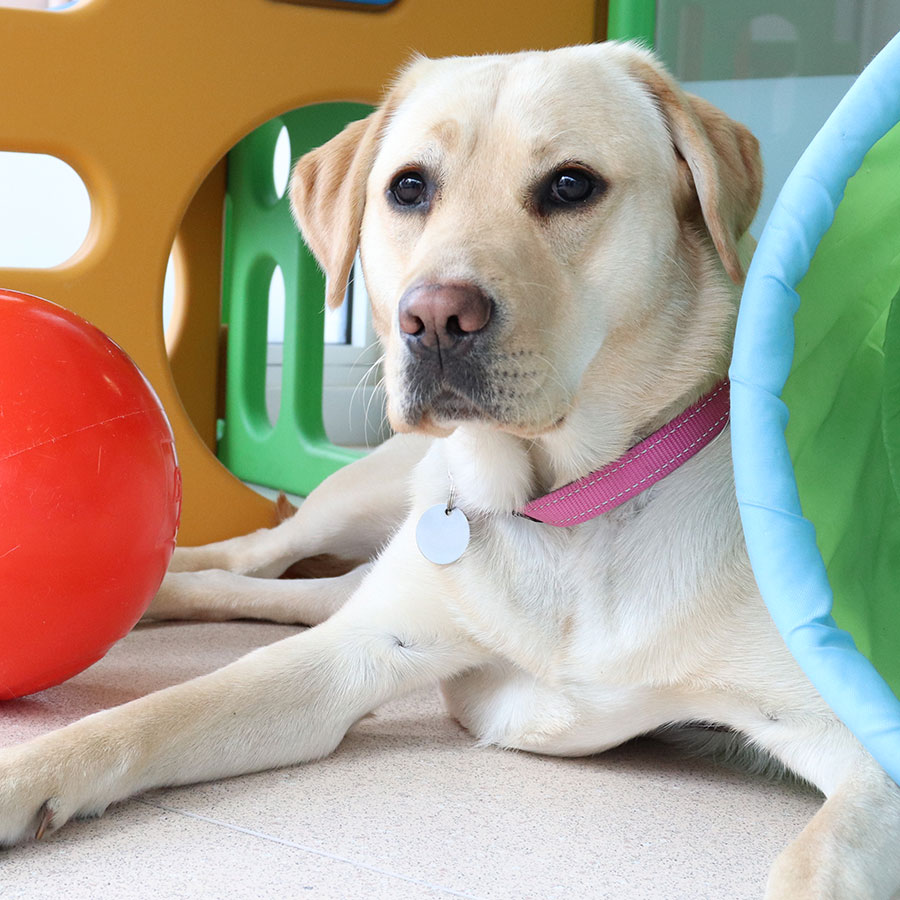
[612,319]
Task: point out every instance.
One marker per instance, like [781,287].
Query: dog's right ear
[720,158]
[328,196]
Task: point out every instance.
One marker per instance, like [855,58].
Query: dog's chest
[625,598]
[565,604]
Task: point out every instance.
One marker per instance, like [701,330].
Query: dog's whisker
[374,392]
[361,382]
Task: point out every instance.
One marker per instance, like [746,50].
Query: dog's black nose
[443,315]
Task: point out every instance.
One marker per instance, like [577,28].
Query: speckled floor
[406,808]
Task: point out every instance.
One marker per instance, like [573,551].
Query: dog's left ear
[328,196]
[720,157]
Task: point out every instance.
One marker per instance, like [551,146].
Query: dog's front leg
[286,703]
[849,849]
[217,596]
[350,515]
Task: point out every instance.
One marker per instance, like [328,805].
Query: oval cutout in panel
[275,344]
[46,211]
[170,296]
[281,162]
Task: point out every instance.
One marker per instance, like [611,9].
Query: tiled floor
[406,808]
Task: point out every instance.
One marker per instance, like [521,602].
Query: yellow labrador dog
[553,247]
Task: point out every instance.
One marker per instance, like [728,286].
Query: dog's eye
[571,186]
[409,188]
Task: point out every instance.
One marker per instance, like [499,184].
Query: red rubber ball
[90,494]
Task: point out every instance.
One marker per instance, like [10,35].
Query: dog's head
[519,217]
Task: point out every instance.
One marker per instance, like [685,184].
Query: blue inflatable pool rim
[786,561]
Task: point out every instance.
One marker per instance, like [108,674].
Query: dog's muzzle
[446,328]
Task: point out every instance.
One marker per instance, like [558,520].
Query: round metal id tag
[442,534]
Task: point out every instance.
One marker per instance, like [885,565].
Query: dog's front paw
[35,798]
[848,851]
[799,874]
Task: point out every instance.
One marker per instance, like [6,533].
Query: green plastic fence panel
[632,20]
[717,27]
[294,454]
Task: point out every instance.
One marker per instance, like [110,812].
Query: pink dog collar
[644,464]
